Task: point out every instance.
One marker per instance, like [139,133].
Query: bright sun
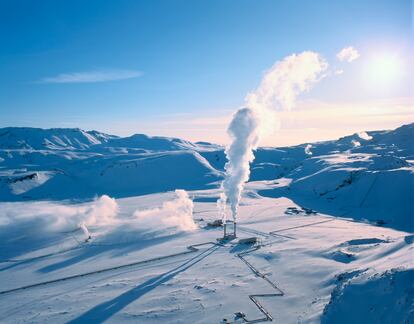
[385,68]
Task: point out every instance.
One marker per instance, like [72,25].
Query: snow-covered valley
[334,220]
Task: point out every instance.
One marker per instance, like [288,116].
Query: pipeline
[253,298]
[300,226]
[267,235]
[280,292]
[369,190]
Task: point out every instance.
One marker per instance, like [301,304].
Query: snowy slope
[380,298]
[373,181]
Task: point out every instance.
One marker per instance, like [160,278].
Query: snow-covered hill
[334,223]
[75,164]
[373,180]
[363,176]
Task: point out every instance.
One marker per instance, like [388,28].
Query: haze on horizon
[181,69]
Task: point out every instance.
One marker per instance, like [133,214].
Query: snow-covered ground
[324,265]
[335,222]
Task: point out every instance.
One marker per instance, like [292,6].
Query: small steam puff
[103,211]
[278,90]
[308,149]
[355,143]
[85,231]
[364,136]
[177,213]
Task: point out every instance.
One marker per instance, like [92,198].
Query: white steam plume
[278,90]
[308,149]
[364,136]
[175,214]
[85,231]
[355,143]
[103,211]
[56,217]
[243,131]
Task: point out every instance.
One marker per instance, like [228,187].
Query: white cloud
[348,54]
[92,76]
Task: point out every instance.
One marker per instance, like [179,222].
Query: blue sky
[179,68]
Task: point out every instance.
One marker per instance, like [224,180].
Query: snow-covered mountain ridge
[78,139]
[368,175]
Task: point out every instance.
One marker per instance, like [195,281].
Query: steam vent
[229,230]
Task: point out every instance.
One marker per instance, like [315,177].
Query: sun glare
[385,68]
